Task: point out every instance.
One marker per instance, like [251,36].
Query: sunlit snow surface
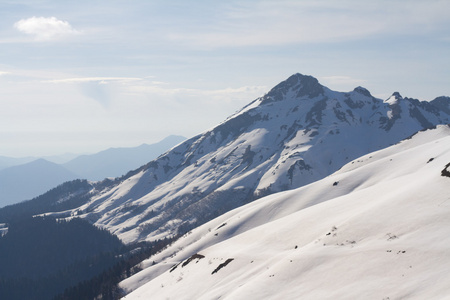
[3,229]
[379,228]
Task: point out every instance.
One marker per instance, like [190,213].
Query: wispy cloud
[226,94]
[93,79]
[96,88]
[280,23]
[290,22]
[45,29]
[342,80]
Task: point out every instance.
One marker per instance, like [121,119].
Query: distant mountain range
[298,133]
[6,162]
[24,182]
[26,178]
[115,162]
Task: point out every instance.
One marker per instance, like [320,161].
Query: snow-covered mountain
[299,132]
[376,229]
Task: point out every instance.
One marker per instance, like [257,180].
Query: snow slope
[379,228]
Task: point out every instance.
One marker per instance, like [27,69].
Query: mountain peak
[442,103]
[394,98]
[301,85]
[40,162]
[363,91]
[397,95]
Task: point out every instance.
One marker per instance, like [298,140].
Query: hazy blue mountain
[61,158]
[29,180]
[6,162]
[115,162]
[28,177]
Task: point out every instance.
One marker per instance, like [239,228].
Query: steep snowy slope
[297,133]
[379,228]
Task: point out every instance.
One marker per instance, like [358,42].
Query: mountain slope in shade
[115,162]
[376,229]
[29,180]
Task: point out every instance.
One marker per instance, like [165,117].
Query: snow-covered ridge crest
[297,133]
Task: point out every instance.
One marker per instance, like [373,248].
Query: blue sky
[83,76]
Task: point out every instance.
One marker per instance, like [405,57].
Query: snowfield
[378,228]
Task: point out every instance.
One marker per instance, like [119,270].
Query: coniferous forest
[41,256]
[46,258]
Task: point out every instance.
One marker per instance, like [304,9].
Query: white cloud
[44,29]
[3,73]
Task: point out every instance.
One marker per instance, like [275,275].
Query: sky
[84,76]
